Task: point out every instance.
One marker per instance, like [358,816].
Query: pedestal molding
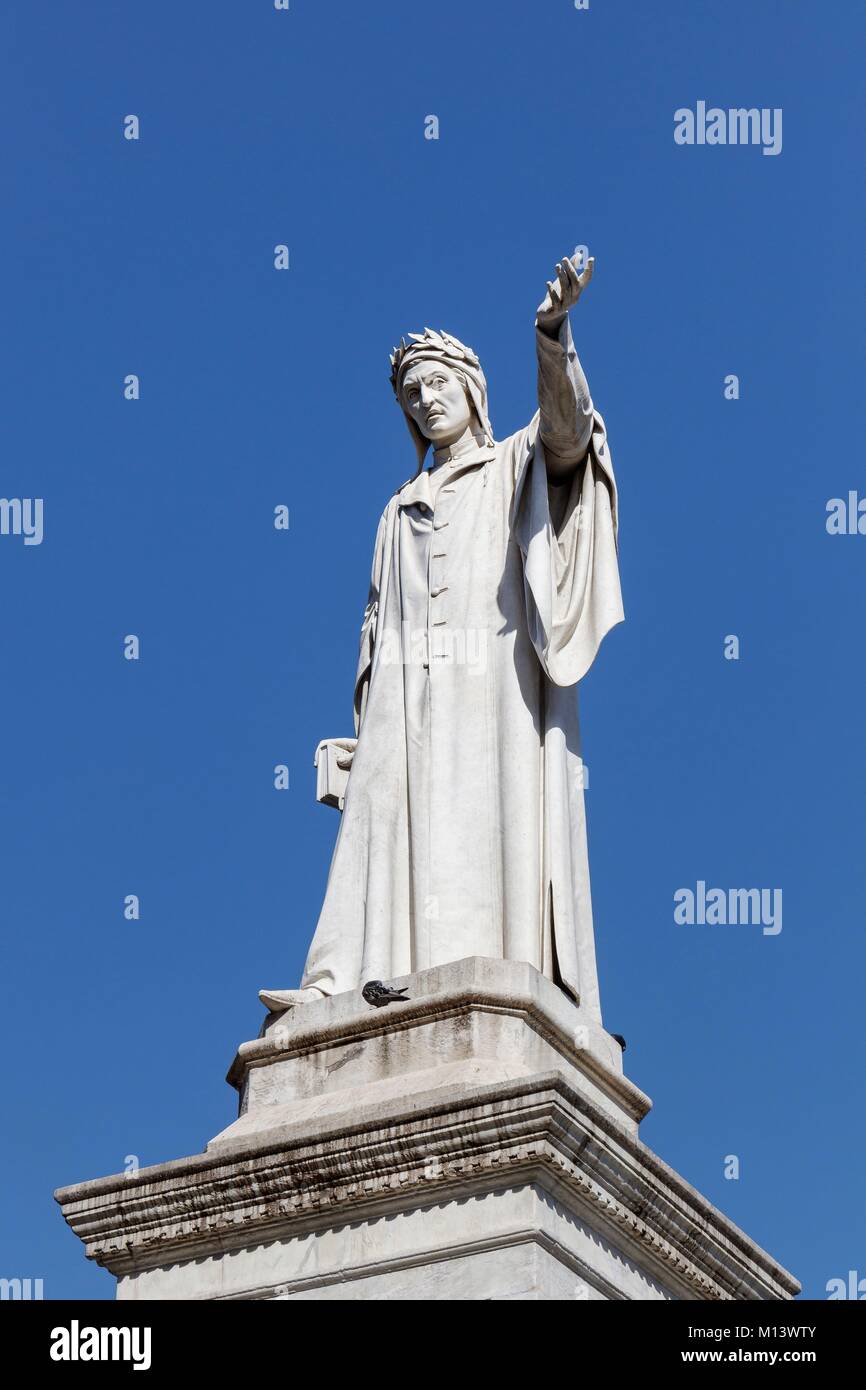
[536,1131]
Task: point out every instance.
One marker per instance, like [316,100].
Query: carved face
[436,399]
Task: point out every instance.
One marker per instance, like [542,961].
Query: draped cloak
[463,830]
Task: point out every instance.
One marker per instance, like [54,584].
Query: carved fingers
[564,292]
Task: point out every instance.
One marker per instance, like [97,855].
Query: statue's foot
[277,1000]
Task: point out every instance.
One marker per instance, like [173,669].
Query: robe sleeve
[564,402]
[368,627]
[570,570]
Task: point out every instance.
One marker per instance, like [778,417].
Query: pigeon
[377,994]
[620,1039]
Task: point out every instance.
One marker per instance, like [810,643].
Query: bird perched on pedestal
[377,994]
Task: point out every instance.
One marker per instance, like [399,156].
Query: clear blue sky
[260,388]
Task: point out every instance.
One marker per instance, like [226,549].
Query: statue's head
[441,389]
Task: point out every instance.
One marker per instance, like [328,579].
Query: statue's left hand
[563,292]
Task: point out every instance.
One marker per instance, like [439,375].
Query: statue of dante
[494,581]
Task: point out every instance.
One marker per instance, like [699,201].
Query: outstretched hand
[563,292]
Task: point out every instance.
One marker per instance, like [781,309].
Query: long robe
[463,829]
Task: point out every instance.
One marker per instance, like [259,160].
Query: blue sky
[261,387]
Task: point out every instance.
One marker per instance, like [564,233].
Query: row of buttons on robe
[438,554]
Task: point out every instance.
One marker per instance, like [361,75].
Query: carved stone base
[477,1141]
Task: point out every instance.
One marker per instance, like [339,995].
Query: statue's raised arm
[564,399]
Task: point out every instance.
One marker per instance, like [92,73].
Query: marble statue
[438,1112]
[494,580]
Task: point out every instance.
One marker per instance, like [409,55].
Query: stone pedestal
[477,1141]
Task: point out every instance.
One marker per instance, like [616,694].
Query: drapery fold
[571,574]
